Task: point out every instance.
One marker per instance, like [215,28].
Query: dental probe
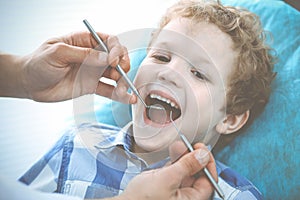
[190,148]
[119,69]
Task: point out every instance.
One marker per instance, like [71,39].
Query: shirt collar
[124,138]
[116,138]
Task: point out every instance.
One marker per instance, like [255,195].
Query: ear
[232,123]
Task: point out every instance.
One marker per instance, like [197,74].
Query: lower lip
[151,123]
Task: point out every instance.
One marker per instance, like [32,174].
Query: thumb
[88,56]
[192,162]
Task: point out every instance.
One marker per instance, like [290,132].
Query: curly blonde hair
[250,83]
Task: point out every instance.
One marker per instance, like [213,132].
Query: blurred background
[27,128]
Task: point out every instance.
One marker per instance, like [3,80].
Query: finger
[125,60]
[176,151]
[83,39]
[104,89]
[191,163]
[112,42]
[118,54]
[109,91]
[187,182]
[68,54]
[121,92]
[202,183]
[211,166]
[124,63]
[115,50]
[185,167]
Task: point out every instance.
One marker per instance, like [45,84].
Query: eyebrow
[161,46]
[195,59]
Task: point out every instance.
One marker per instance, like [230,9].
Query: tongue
[160,116]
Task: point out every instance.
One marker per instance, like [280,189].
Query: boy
[208,67]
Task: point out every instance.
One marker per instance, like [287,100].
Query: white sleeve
[14,190]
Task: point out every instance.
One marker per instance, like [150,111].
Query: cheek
[137,78]
[144,74]
[211,104]
[200,98]
[202,105]
[198,109]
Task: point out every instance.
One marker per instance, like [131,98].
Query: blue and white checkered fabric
[95,161]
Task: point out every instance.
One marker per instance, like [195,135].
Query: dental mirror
[157,115]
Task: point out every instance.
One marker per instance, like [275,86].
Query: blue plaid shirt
[95,161]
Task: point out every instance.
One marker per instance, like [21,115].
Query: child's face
[187,67]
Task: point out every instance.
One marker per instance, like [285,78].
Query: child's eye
[161,58]
[198,74]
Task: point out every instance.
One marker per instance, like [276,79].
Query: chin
[150,145]
[151,138]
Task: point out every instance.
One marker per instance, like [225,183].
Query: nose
[171,75]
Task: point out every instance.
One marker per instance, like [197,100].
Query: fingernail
[202,156]
[132,99]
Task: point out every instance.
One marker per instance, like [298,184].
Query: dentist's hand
[176,181]
[67,67]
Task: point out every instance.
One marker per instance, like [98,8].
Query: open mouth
[162,116]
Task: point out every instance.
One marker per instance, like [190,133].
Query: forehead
[176,38]
[198,43]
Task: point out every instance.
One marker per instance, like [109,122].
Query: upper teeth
[168,101]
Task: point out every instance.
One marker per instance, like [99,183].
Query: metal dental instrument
[190,148]
[119,69]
